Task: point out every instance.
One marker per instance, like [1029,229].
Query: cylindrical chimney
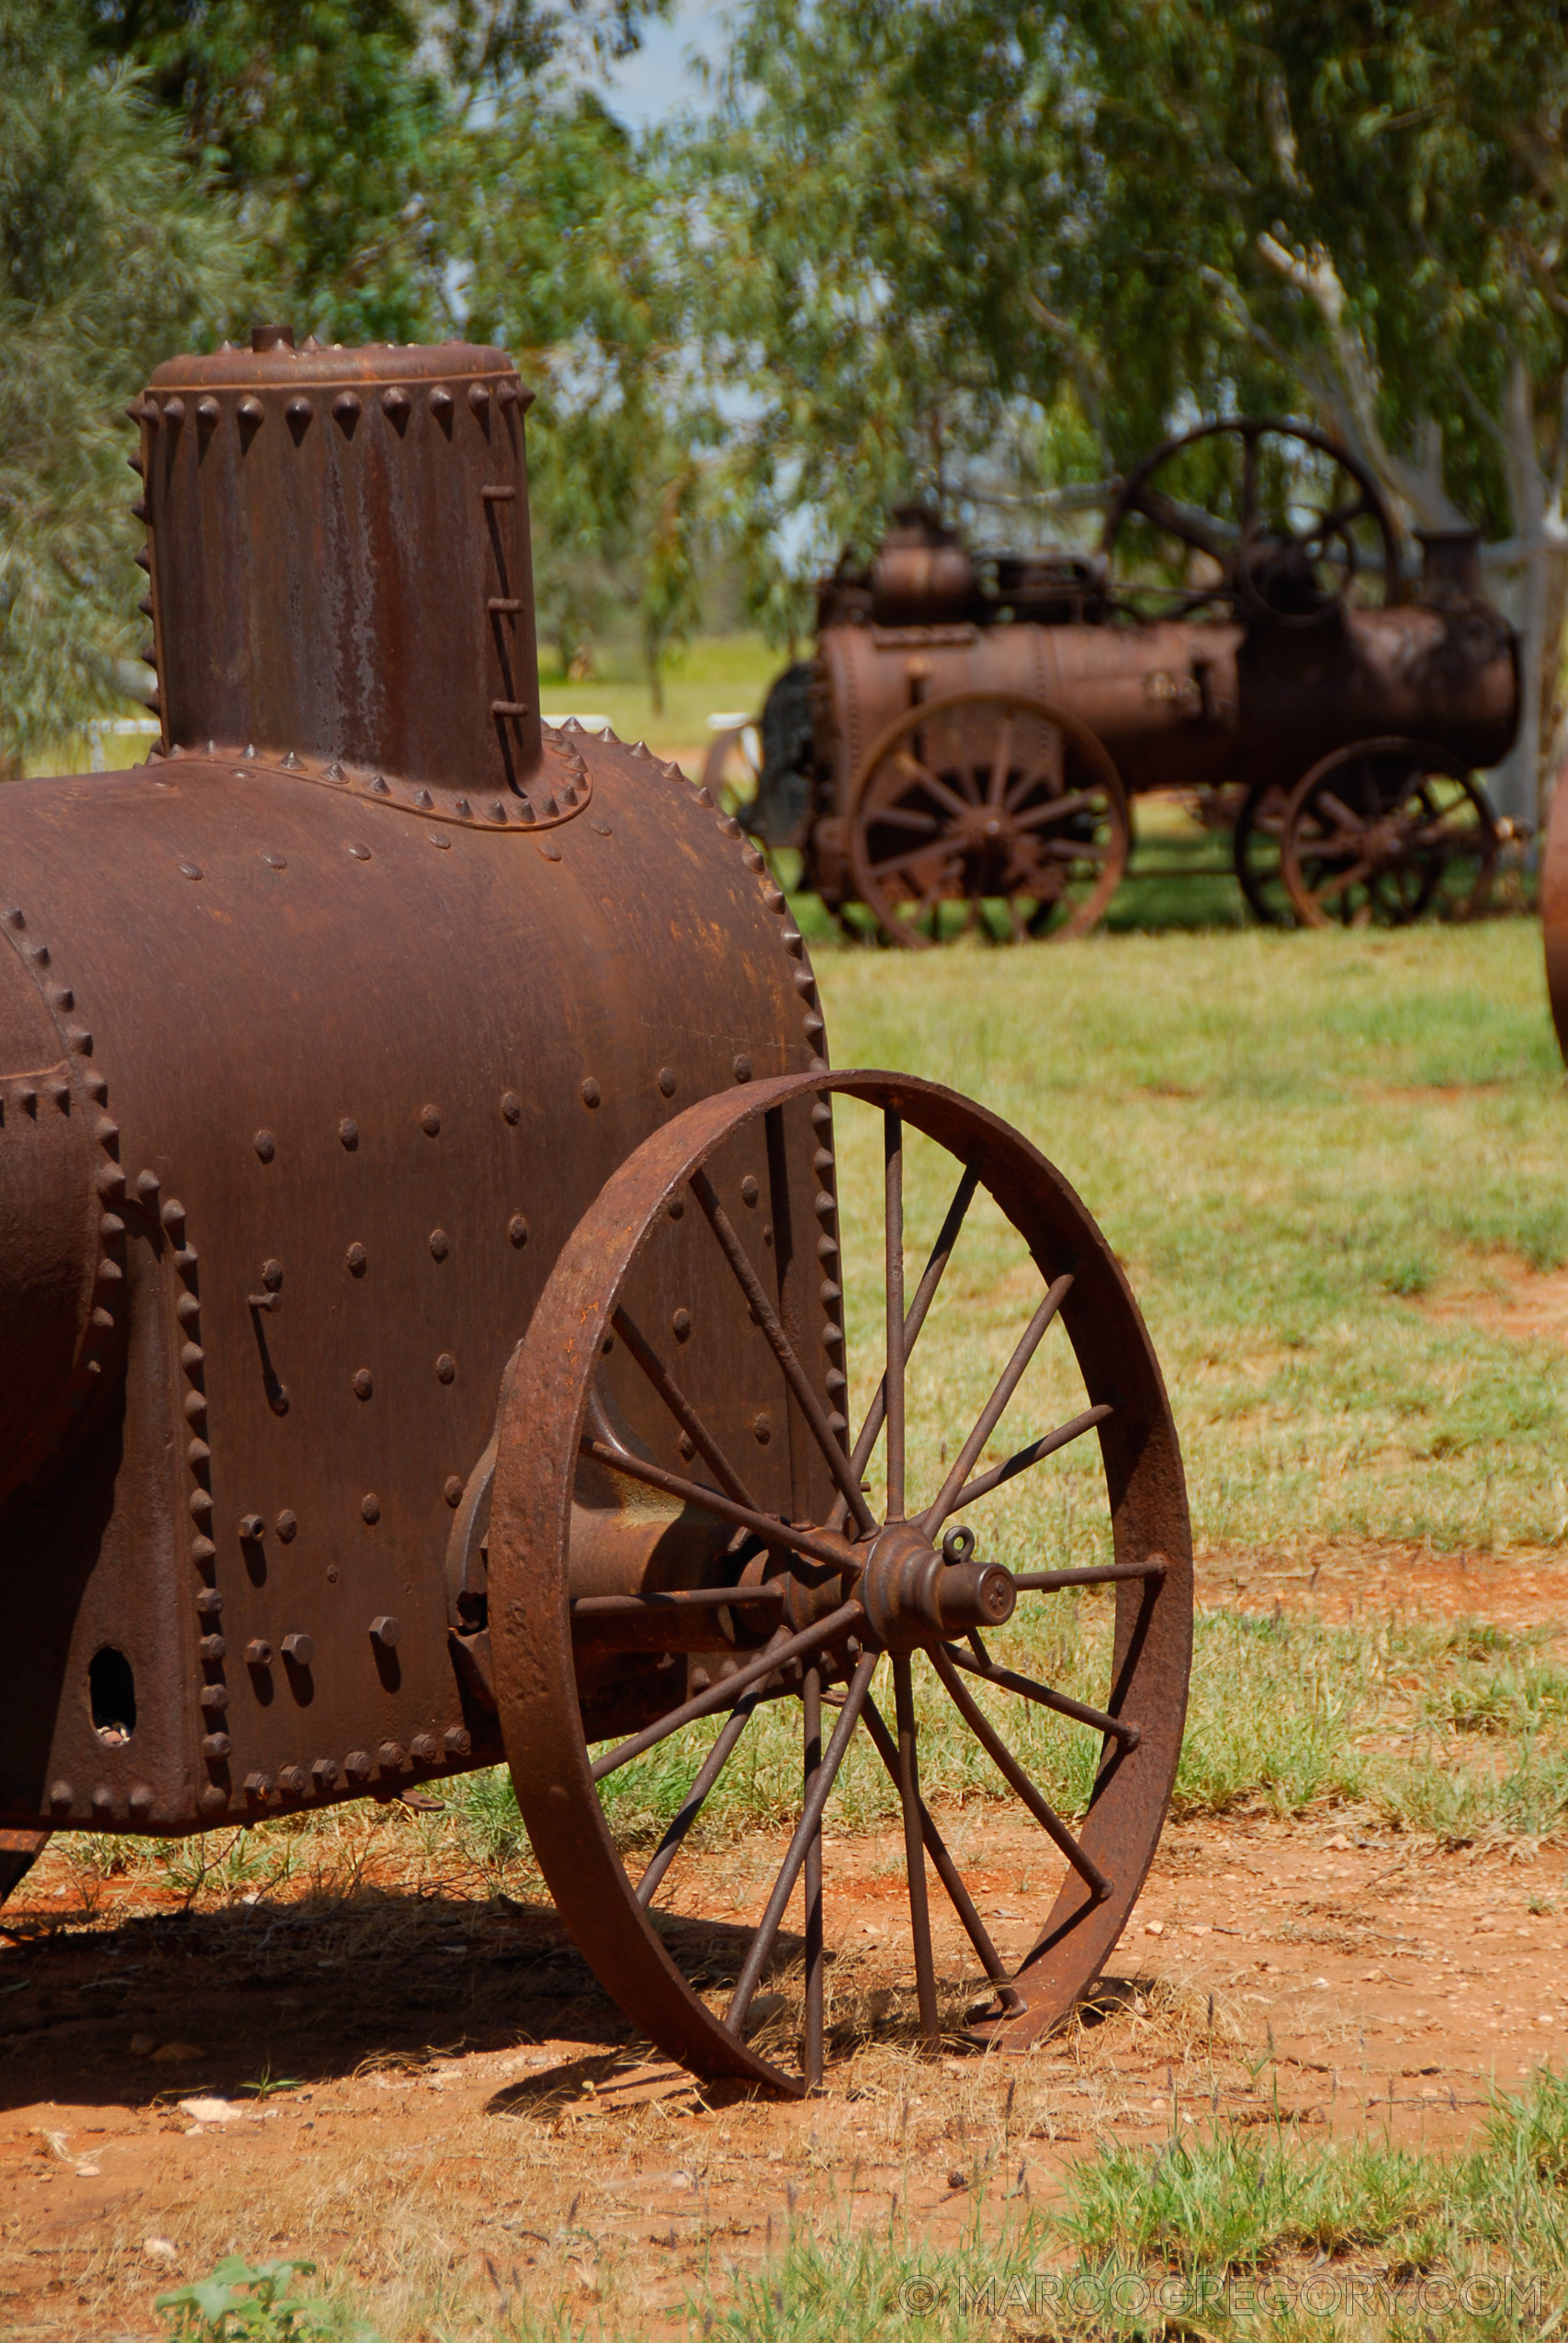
[339,559]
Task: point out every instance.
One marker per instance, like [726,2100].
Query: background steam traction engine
[422,1272]
[961,751]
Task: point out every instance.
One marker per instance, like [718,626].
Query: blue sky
[657,81]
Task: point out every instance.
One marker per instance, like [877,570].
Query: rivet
[423,801]
[824,1205]
[347,409]
[298,412]
[761,1427]
[457,1740]
[209,1603]
[548,848]
[264,1145]
[667,1081]
[14,919]
[356,1259]
[110,1224]
[507,395]
[804,982]
[439,838]
[360,853]
[815,1028]
[680,1325]
[62,997]
[299,1650]
[463,809]
[395,406]
[742,1068]
[203,1552]
[602,827]
[640,748]
[198,1453]
[688,1445]
[430,1120]
[191,1357]
[821,1116]
[749,1190]
[370,1507]
[592,1093]
[105,1131]
[39,954]
[517,1230]
[60,1796]
[109,1182]
[286,1526]
[511,1105]
[446,1367]
[187,1308]
[141,1801]
[207,411]
[100,1318]
[213,1798]
[364,1383]
[185,1260]
[258,1652]
[440,1244]
[386,1631]
[479,397]
[252,1526]
[676,1209]
[291,762]
[80,1040]
[380,785]
[147,1185]
[822,1161]
[291,1781]
[97,1089]
[334,771]
[272,1276]
[773,899]
[497,811]
[275,862]
[452,1488]
[439,401]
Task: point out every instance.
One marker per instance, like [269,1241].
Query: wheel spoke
[1104,1574]
[1042,1694]
[682,1411]
[902,817]
[925,1293]
[935,1514]
[1014,1774]
[712,1766]
[811,1708]
[1339,884]
[914,1849]
[1036,1453]
[795,1373]
[931,781]
[1342,813]
[1073,850]
[942,1864]
[810,1822]
[775,1533]
[672,1600]
[1060,809]
[1000,762]
[777,1653]
[913,859]
[893,1374]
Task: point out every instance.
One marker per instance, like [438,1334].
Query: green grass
[1222,2231]
[718,675]
[1290,1141]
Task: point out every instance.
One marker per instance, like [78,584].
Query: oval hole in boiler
[111,1688]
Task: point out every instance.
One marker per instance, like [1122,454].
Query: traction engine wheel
[807,1613]
[1378,833]
[1256,851]
[995,801]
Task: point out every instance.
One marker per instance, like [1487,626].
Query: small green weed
[256,2304]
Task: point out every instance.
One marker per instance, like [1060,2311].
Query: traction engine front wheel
[899,1621]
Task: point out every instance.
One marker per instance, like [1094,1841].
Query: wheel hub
[916,1594]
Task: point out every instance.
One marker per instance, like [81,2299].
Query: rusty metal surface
[314,1062]
[855,1587]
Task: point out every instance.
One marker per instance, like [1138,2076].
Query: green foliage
[256,2304]
[112,252]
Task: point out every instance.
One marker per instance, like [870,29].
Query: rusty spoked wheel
[1256,852]
[989,813]
[693,1568]
[1380,833]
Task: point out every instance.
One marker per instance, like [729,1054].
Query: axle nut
[386,1631]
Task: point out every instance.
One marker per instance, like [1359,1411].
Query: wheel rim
[1381,832]
[1257,854]
[848,1593]
[988,813]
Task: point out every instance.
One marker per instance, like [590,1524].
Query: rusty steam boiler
[423,1274]
[962,750]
